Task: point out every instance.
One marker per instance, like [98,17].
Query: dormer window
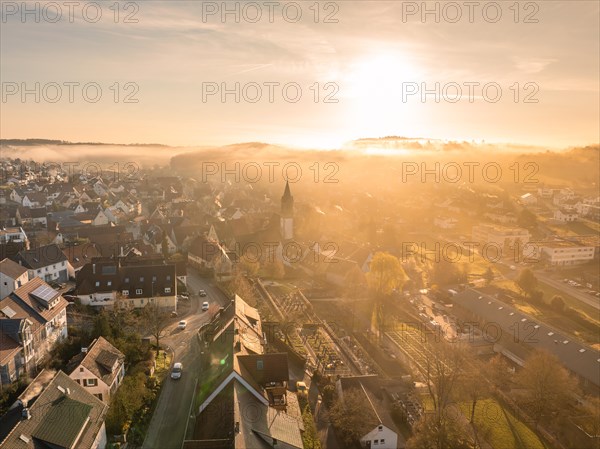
[125,292]
[167,290]
[97,283]
[138,291]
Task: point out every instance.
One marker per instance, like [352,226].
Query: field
[501,428]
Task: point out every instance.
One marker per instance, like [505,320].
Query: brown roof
[100,359]
[24,296]
[12,269]
[8,347]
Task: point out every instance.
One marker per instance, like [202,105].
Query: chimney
[25,414]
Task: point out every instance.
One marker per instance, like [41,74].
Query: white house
[100,369]
[445,222]
[101,219]
[12,276]
[528,199]
[381,437]
[47,262]
[565,216]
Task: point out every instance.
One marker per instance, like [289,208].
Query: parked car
[205,306]
[177,371]
[173,314]
[182,324]
[202,293]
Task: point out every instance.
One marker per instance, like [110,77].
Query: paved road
[168,425]
[567,289]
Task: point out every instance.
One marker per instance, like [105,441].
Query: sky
[351,69]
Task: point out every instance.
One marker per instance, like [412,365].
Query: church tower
[287,214]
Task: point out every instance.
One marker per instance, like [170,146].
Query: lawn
[502,429]
[163,364]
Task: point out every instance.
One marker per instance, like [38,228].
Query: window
[375,441]
[125,292]
[382,441]
[81,370]
[168,278]
[260,364]
[380,428]
[153,278]
[99,396]
[167,290]
[90,382]
[54,266]
[138,291]
[97,283]
[109,283]
[141,278]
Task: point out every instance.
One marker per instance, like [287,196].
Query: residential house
[500,237]
[79,255]
[563,215]
[47,262]
[32,217]
[382,433]
[32,319]
[247,378]
[14,235]
[12,276]
[131,283]
[57,414]
[99,368]
[445,222]
[100,219]
[36,199]
[205,254]
[528,199]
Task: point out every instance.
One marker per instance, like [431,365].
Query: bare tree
[548,386]
[156,320]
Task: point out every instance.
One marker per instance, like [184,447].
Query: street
[169,422]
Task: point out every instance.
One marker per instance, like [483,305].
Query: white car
[177,371]
[205,305]
[182,324]
[202,293]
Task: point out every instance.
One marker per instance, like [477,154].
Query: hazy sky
[376,56]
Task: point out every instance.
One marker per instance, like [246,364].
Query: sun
[372,92]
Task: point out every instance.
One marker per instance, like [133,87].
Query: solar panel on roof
[8,312]
[45,293]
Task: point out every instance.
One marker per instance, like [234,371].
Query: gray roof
[577,357]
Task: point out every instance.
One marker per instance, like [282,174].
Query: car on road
[177,371]
[205,305]
[182,324]
[202,293]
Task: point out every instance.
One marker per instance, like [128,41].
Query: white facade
[96,386]
[380,437]
[54,272]
[567,254]
[565,216]
[9,285]
[500,236]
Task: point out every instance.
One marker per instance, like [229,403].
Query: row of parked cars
[576,284]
